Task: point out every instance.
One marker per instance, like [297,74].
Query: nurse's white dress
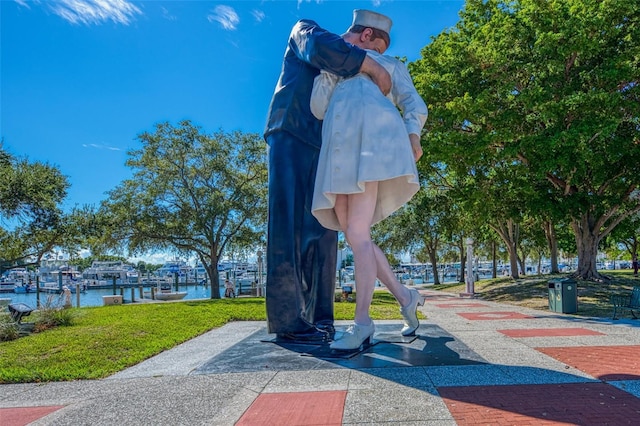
[365,139]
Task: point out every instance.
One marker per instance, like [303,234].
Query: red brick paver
[572,403]
[20,416]
[500,315]
[603,362]
[298,408]
[550,332]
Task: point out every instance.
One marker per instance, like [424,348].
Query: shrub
[53,314]
[8,328]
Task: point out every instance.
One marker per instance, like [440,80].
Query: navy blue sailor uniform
[301,253]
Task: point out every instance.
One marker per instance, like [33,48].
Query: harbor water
[93,297]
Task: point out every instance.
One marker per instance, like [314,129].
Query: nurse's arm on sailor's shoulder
[378,74]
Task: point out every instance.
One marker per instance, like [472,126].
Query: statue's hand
[378,74]
[415,146]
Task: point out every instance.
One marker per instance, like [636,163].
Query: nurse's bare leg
[355,214]
[384,272]
[409,299]
[388,278]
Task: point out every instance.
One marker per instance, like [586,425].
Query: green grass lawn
[104,340]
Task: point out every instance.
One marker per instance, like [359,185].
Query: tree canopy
[192,192]
[535,109]
[32,221]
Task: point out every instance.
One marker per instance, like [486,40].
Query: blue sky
[80,79]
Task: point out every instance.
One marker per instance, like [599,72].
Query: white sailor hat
[369,19]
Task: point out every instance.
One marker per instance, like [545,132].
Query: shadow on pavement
[438,363]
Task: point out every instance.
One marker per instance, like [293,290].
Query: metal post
[38,290]
[469,275]
[259,280]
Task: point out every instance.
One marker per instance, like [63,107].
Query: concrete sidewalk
[472,362]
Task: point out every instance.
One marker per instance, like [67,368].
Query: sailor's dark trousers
[301,253]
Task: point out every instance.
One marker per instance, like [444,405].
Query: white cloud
[167,15]
[99,146]
[309,1]
[226,16]
[95,11]
[258,15]
[84,253]
[24,3]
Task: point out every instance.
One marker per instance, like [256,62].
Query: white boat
[50,287]
[52,278]
[163,291]
[106,271]
[174,295]
[12,279]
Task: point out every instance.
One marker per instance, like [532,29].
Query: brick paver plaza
[472,363]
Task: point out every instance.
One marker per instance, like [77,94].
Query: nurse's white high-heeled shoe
[354,337]
[410,313]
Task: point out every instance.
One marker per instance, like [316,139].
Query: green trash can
[552,296]
[563,296]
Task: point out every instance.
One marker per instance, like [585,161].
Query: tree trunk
[513,261]
[211,266]
[539,263]
[463,260]
[522,261]
[552,241]
[214,278]
[434,267]
[509,231]
[494,271]
[587,240]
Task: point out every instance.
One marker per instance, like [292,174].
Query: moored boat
[104,272]
[13,278]
[7,286]
[173,295]
[50,287]
[23,288]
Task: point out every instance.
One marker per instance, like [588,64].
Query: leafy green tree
[32,222]
[191,192]
[549,91]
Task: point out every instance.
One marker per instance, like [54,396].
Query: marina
[107,281]
[164,289]
[93,297]
[174,281]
